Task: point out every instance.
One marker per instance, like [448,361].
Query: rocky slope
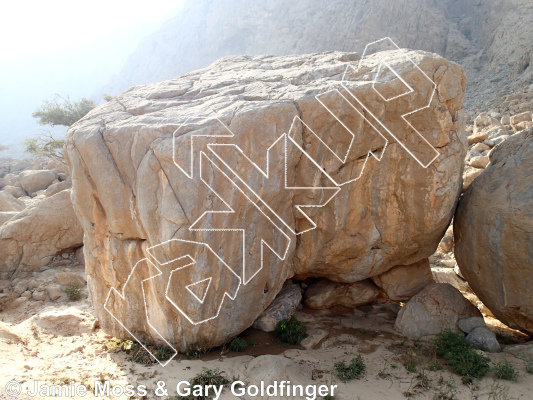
[491,39]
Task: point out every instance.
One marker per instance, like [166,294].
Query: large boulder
[493,229]
[436,308]
[146,185]
[35,180]
[30,239]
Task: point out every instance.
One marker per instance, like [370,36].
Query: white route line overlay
[437,153]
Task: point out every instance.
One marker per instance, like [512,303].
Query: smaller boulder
[522,351]
[325,294]
[469,324]
[436,308]
[70,278]
[54,291]
[15,191]
[35,180]
[479,162]
[483,339]
[517,120]
[404,281]
[283,307]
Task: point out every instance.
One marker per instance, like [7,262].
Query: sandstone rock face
[436,308]
[403,282]
[33,181]
[34,236]
[326,294]
[142,194]
[493,229]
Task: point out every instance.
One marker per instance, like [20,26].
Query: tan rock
[33,181]
[326,294]
[57,187]
[480,147]
[448,275]
[34,236]
[8,202]
[479,162]
[15,191]
[491,228]
[6,216]
[446,244]
[70,278]
[517,119]
[436,308]
[469,176]
[404,281]
[130,195]
[477,137]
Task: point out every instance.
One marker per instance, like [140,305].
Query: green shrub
[291,331]
[207,377]
[355,369]
[505,370]
[463,360]
[238,344]
[73,292]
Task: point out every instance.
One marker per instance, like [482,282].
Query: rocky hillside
[491,39]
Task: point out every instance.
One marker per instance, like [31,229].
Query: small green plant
[410,366]
[208,377]
[505,370]
[73,292]
[291,331]
[196,351]
[253,343]
[238,344]
[435,366]
[393,366]
[463,360]
[347,372]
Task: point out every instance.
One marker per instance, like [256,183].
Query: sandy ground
[46,357]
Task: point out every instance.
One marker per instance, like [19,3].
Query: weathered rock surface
[283,307]
[436,308]
[404,281]
[326,294]
[467,325]
[493,229]
[8,202]
[130,195]
[33,181]
[34,236]
[483,339]
[6,216]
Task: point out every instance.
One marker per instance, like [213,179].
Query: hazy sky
[67,47]
[38,27]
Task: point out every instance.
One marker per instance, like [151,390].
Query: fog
[66,50]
